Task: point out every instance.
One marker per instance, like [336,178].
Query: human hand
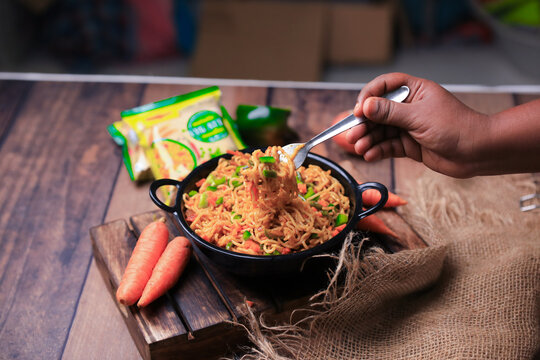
[431,126]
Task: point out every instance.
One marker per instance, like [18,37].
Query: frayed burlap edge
[446,212]
[355,268]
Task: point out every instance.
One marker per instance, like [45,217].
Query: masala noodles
[256,204]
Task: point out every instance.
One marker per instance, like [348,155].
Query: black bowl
[263,265]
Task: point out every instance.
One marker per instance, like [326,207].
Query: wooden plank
[155,329]
[12,96]
[100,333]
[113,245]
[197,301]
[50,197]
[127,199]
[524,98]
[488,103]
[407,238]
[312,111]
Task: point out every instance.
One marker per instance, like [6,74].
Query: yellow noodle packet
[133,153]
[182,132]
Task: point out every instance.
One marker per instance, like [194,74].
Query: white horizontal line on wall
[144,79]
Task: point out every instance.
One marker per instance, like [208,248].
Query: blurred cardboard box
[274,40]
[360,32]
[288,39]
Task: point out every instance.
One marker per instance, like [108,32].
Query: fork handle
[339,127]
[398,95]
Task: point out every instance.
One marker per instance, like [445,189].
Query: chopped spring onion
[212,188]
[236,183]
[193,193]
[246,235]
[229,245]
[269,173]
[267,159]
[219,201]
[215,182]
[238,168]
[203,202]
[237,216]
[341,219]
[310,192]
[299,178]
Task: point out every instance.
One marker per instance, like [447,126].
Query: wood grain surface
[61,175]
[50,197]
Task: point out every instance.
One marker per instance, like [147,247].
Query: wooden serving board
[194,319]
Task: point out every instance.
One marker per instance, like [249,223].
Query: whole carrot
[371,196]
[167,271]
[144,257]
[375,224]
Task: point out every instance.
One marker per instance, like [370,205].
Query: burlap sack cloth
[474,293]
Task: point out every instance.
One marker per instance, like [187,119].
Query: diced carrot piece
[250,244]
[322,202]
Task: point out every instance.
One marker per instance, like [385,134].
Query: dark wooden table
[61,174]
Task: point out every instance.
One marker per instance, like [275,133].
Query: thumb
[386,112]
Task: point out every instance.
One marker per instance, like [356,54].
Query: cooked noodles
[259,205]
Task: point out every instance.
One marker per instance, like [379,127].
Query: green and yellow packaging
[180,133]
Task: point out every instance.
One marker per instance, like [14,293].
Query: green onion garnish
[269,173]
[236,183]
[214,182]
[221,180]
[219,201]
[193,193]
[211,188]
[203,202]
[237,216]
[341,219]
[246,235]
[299,178]
[229,245]
[267,159]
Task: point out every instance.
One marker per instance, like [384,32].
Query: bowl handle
[384,197]
[155,185]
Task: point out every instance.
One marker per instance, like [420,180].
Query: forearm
[512,141]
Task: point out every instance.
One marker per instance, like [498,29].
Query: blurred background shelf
[448,41]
